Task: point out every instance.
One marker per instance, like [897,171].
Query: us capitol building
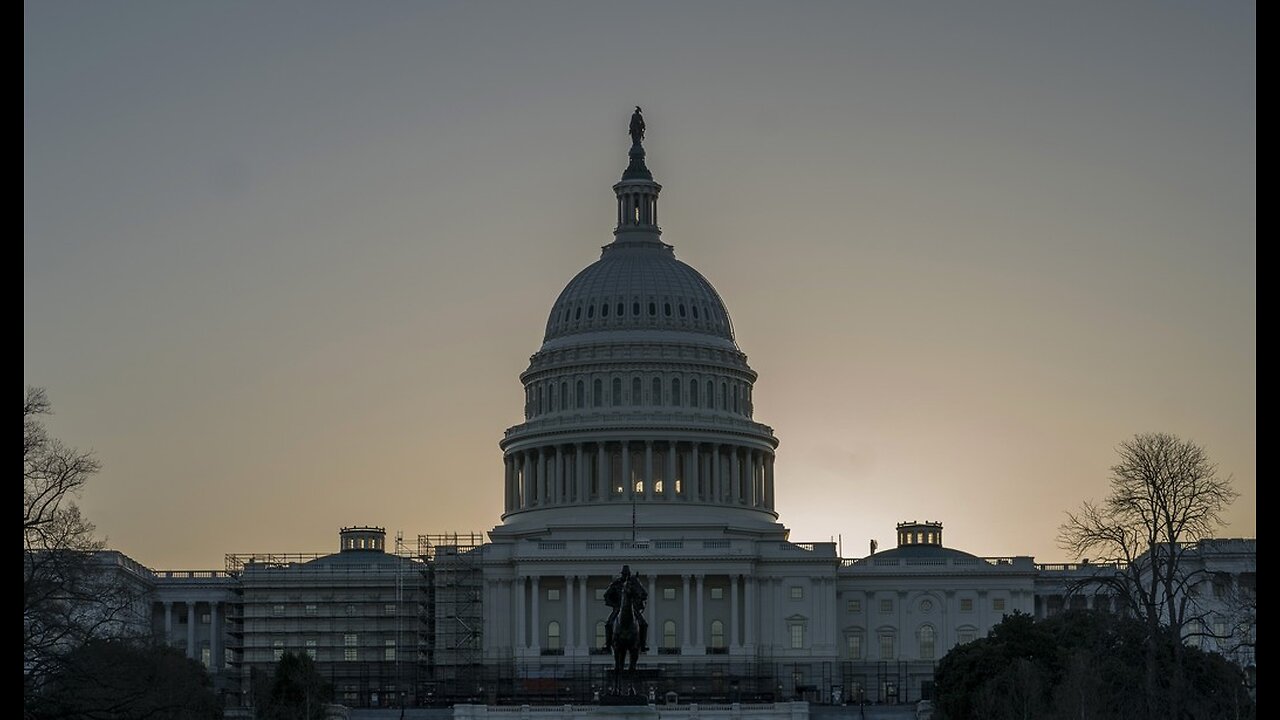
[639,446]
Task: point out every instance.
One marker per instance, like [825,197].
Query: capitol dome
[638,404]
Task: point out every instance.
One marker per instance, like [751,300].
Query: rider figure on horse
[613,598]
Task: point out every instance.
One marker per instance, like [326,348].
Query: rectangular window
[854,643]
[797,636]
[349,654]
[350,640]
[599,593]
[553,593]
[310,646]
[965,636]
[717,593]
[389,650]
[311,609]
[886,606]
[204,619]
[277,649]
[886,647]
[797,592]
[389,608]
[854,606]
[1219,630]
[966,604]
[668,593]
[997,604]
[277,610]
[351,609]
[206,656]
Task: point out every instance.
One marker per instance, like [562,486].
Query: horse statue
[625,630]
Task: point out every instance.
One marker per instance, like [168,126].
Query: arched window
[653,309]
[693,393]
[675,392]
[724,396]
[580,395]
[617,392]
[597,390]
[657,392]
[553,635]
[591,311]
[577,313]
[600,634]
[636,392]
[620,307]
[853,643]
[635,308]
[695,312]
[666,309]
[927,642]
[604,310]
[711,395]
[717,634]
[669,634]
[681,309]
[542,395]
[737,394]
[564,396]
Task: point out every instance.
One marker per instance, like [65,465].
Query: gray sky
[283,262]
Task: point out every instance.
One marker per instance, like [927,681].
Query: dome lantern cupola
[637,193]
[919,533]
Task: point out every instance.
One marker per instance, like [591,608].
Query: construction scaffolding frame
[453,568]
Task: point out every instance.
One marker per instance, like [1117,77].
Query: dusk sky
[284,262]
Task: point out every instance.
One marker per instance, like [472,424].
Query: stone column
[735,478]
[583,635]
[535,599]
[697,474]
[648,470]
[543,495]
[669,482]
[628,486]
[518,586]
[749,603]
[733,611]
[214,665]
[191,630]
[526,480]
[579,473]
[699,621]
[168,622]
[716,494]
[602,474]
[768,480]
[685,633]
[568,614]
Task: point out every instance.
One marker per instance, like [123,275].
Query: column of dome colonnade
[661,470]
[639,392]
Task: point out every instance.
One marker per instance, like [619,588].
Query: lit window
[797,592]
[886,606]
[277,649]
[389,650]
[717,593]
[389,609]
[668,593]
[311,609]
[927,642]
[966,604]
[310,646]
[277,610]
[717,634]
[886,646]
[204,618]
[553,593]
[997,604]
[853,642]
[669,634]
[553,635]
[206,656]
[853,606]
[350,647]
[797,636]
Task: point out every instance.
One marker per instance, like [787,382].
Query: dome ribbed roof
[639,286]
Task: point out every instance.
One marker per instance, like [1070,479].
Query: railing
[629,418]
[551,545]
[193,574]
[599,544]
[668,544]
[715,544]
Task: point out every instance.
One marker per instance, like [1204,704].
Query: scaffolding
[453,570]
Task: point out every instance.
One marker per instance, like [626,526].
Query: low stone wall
[706,711]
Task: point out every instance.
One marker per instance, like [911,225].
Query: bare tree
[71,590]
[1165,497]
